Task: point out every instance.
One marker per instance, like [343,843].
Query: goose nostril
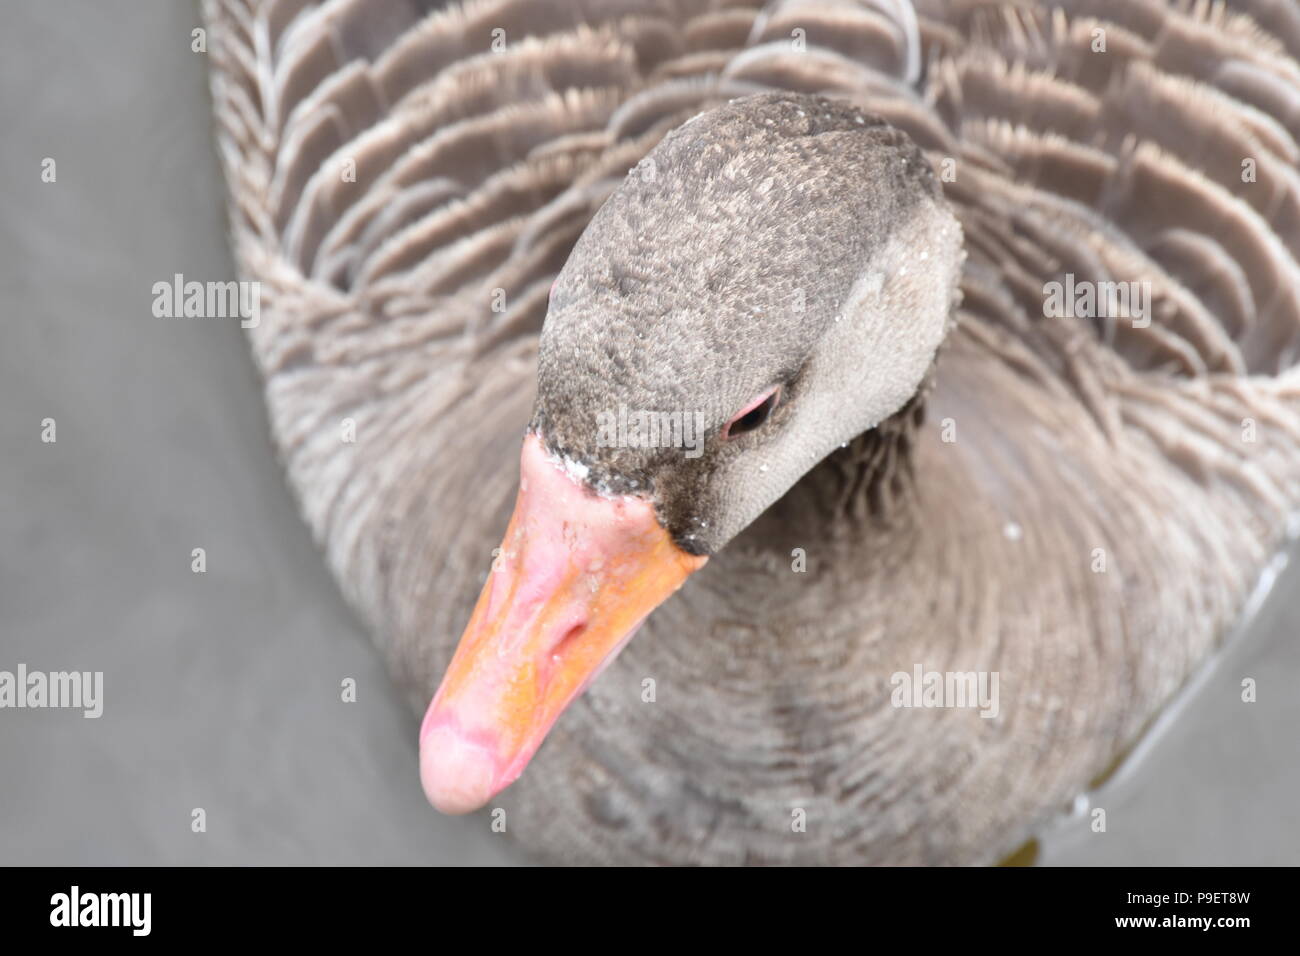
[569,638]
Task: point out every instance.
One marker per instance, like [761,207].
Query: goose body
[990,484]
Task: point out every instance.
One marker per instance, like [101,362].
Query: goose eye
[753,415]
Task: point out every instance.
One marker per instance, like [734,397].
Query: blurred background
[222,690]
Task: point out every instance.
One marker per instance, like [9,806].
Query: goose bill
[575,577]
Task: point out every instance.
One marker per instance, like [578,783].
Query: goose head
[772,280]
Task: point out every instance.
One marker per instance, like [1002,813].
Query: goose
[695,397]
